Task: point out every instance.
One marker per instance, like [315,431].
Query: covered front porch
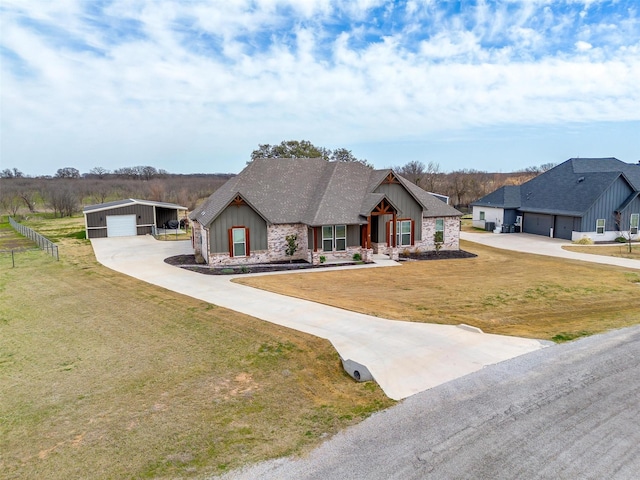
[373,236]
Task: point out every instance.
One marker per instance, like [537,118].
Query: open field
[620,250]
[103,376]
[499,291]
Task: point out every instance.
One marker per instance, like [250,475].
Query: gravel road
[570,411]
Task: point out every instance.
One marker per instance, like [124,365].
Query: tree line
[68,190]
[67,195]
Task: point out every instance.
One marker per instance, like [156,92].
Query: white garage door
[121,225]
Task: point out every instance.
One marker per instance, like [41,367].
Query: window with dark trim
[482,216]
[239,242]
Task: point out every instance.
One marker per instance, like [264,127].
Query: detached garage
[130,217]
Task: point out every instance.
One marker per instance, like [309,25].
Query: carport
[129,217]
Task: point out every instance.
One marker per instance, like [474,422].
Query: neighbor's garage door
[121,225]
[564,227]
[537,224]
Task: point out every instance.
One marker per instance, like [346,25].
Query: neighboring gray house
[594,197]
[129,217]
[336,209]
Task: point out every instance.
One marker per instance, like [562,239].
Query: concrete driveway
[567,412]
[404,357]
[537,244]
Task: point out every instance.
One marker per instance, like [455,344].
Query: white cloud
[267,78]
[583,46]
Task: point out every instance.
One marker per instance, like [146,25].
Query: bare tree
[413,171]
[157,191]
[99,172]
[63,200]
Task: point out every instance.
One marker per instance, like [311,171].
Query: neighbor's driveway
[403,357]
[537,244]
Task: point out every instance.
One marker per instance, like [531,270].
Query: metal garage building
[129,217]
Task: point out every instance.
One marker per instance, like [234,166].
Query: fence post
[42,242]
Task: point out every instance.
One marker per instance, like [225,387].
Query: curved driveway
[537,244]
[403,357]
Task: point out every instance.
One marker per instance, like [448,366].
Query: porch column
[395,226]
[368,233]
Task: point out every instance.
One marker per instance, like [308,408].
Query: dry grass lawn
[499,291]
[103,376]
[620,250]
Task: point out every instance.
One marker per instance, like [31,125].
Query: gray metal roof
[130,201]
[570,188]
[311,191]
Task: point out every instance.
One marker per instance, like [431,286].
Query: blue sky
[195,86]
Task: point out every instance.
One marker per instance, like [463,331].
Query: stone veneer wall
[276,243]
[451,234]
[451,238]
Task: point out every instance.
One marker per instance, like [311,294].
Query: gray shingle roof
[431,206]
[570,188]
[310,191]
[507,196]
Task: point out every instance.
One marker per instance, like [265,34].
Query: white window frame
[338,247]
[599,226]
[326,238]
[243,242]
[333,238]
[440,226]
[634,222]
[400,234]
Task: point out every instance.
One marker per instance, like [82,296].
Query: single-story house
[335,210]
[582,197]
[130,217]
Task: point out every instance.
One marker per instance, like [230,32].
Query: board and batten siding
[606,205]
[353,236]
[99,219]
[633,207]
[408,206]
[237,216]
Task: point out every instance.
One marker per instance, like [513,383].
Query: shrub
[621,239]
[323,259]
[357,257]
[584,241]
[292,245]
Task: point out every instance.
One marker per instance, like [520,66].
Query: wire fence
[42,242]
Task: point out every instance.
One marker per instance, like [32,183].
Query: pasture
[103,376]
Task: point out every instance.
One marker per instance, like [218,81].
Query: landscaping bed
[441,255]
[188,262]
